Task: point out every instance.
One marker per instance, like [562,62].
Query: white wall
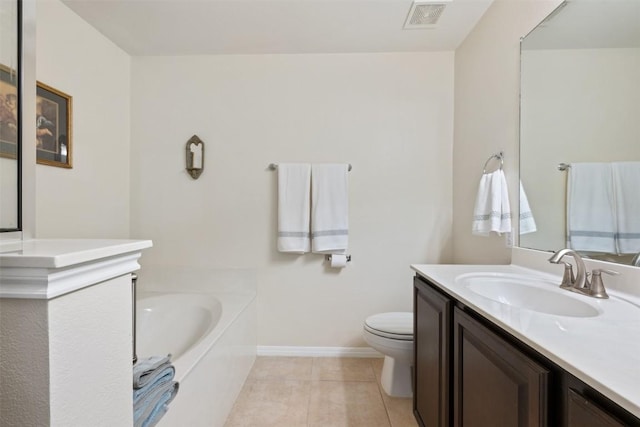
[92,199]
[587,121]
[389,115]
[487,84]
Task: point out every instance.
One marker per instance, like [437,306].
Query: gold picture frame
[53,127]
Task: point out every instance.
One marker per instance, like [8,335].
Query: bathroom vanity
[487,356]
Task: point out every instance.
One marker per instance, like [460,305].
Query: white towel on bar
[330,208]
[626,183]
[294,187]
[492,211]
[591,224]
[527,222]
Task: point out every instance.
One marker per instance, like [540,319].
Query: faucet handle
[597,286]
[597,271]
[568,278]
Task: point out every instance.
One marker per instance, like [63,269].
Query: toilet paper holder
[328,258]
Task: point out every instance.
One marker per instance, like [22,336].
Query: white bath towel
[626,183]
[330,208]
[527,222]
[492,211]
[591,224]
[294,188]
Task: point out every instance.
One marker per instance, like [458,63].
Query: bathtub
[212,340]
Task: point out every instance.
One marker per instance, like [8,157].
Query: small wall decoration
[8,112]
[195,156]
[53,127]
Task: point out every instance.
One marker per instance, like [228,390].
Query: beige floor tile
[352,404]
[281,368]
[377,367]
[400,410]
[342,369]
[271,403]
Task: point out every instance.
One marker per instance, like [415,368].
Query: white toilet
[392,335]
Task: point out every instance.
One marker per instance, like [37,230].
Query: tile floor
[318,392]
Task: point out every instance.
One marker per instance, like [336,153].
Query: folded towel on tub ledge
[145,370]
[163,375]
[153,389]
[154,405]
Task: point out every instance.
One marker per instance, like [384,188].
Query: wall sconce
[195,156]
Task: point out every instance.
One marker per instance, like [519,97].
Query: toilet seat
[394,325]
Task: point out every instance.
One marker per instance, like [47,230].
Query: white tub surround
[65,329]
[603,351]
[206,318]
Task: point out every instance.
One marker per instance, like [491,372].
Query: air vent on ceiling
[424,14]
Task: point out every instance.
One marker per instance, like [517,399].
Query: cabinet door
[432,378]
[581,412]
[495,384]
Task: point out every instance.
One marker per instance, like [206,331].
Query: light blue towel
[147,369]
[163,375]
[154,405]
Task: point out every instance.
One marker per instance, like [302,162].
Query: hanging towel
[626,180]
[492,211]
[591,224]
[527,223]
[330,208]
[294,187]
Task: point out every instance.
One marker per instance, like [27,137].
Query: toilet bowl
[392,335]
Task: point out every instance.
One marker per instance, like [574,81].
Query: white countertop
[59,253]
[50,268]
[603,351]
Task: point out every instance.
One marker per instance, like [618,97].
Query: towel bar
[274,166]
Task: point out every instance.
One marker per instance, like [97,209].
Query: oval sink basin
[527,293]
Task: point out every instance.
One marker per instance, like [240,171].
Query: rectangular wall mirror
[580,103]
[10,129]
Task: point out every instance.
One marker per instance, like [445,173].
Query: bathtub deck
[306,391]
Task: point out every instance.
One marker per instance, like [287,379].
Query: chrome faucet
[580,283]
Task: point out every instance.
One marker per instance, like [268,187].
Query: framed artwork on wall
[53,127]
[8,112]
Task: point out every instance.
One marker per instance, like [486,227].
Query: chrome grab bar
[134,280]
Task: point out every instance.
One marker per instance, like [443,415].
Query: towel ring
[499,156]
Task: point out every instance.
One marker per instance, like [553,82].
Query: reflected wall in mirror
[9,115]
[580,103]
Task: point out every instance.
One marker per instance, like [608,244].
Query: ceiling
[193,27]
[589,24]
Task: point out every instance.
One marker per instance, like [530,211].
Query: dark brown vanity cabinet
[470,373]
[583,412]
[432,345]
[495,384]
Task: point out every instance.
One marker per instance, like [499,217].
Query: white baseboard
[269,350]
